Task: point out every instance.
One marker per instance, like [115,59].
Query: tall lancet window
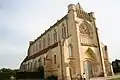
[70,50]
[36,46]
[35,64]
[55,36]
[28,66]
[54,59]
[48,39]
[63,31]
[44,43]
[39,61]
[44,61]
[39,44]
[31,65]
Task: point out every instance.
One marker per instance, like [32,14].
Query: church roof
[59,21]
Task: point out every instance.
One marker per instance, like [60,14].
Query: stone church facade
[68,48]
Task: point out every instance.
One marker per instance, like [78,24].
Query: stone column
[68,73]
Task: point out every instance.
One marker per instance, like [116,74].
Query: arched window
[40,62]
[70,50]
[31,65]
[55,36]
[44,43]
[25,67]
[63,32]
[44,61]
[28,66]
[48,39]
[36,46]
[39,44]
[35,65]
[54,59]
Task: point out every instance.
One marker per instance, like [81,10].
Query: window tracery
[84,29]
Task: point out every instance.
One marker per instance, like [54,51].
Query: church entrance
[88,64]
[88,69]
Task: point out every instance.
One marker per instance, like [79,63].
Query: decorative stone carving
[91,45]
[86,33]
[91,54]
[71,64]
[84,29]
[84,15]
[66,64]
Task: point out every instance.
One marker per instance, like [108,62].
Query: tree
[6,73]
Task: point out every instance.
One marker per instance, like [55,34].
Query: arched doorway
[88,69]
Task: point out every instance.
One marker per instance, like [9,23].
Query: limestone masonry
[69,48]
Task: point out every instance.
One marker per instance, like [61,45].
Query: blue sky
[24,20]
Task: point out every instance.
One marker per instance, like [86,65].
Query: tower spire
[78,6]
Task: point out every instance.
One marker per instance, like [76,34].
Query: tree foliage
[6,73]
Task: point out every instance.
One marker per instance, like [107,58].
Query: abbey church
[69,48]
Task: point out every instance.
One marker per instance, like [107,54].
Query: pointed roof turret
[78,6]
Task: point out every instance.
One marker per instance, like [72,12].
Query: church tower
[69,48]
